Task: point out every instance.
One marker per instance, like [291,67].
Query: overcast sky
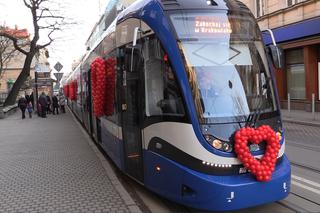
[85,12]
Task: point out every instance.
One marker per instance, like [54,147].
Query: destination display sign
[212,25]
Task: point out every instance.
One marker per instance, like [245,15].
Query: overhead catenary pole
[36,88]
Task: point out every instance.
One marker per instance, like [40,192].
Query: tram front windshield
[226,64]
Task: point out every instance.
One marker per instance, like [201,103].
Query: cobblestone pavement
[302,134]
[47,165]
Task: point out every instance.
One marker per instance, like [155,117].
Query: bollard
[289,107]
[313,107]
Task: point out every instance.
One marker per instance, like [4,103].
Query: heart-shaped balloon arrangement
[261,168]
[98,82]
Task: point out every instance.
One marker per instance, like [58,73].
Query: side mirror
[277,56]
[134,44]
[135,36]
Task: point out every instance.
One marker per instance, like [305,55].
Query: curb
[7,111]
[131,205]
[306,123]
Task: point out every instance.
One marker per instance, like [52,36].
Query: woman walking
[22,104]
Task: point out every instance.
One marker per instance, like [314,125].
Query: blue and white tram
[189,74]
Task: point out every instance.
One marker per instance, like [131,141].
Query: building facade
[11,69]
[296,27]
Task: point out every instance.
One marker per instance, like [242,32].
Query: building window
[292,2]
[260,8]
[296,74]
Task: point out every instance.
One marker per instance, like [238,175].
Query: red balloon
[263,168]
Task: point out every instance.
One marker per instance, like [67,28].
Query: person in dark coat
[48,104]
[29,108]
[55,104]
[22,104]
[30,99]
[62,102]
[43,104]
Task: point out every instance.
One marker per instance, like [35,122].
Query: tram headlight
[209,138]
[218,144]
[227,147]
[280,135]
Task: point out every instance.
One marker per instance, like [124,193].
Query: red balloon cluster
[73,86]
[110,85]
[70,90]
[66,90]
[264,167]
[98,82]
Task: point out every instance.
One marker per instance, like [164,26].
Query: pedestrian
[55,105]
[48,104]
[62,101]
[43,104]
[30,98]
[22,104]
[39,110]
[30,108]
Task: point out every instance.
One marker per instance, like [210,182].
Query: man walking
[55,105]
[43,104]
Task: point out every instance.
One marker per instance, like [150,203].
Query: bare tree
[44,18]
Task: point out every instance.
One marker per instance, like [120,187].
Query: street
[302,148]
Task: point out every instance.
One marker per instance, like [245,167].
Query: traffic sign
[43,82]
[58,66]
[42,68]
[58,75]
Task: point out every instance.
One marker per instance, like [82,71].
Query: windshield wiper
[254,117]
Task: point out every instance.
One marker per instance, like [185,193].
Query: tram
[187,76]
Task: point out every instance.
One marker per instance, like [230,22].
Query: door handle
[124,107]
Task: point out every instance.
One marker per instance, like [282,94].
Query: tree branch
[14,41]
[50,40]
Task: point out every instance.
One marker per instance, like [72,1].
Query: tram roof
[202,4]
[168,5]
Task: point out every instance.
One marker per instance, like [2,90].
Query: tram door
[131,111]
[87,116]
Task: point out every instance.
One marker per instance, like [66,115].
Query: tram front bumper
[220,193]
[214,193]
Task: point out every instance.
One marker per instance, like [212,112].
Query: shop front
[299,80]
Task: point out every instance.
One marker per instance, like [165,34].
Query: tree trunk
[12,96]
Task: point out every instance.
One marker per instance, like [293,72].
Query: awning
[299,30]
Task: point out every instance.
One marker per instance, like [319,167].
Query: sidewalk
[301,117]
[50,165]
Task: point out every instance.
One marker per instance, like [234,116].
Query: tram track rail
[303,146]
[307,167]
[291,206]
[304,198]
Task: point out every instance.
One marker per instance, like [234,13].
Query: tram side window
[111,58]
[162,94]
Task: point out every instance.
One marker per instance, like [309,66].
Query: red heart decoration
[264,167]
